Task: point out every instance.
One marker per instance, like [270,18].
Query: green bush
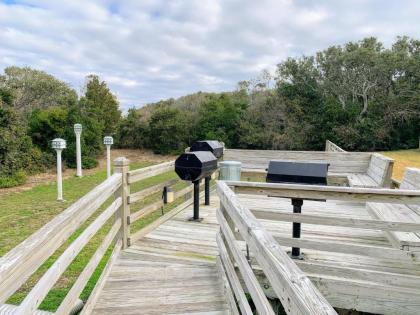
[18,178]
[16,149]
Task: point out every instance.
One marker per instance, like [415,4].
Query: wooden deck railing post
[121,165]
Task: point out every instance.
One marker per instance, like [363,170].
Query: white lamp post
[78,132]
[108,141]
[59,144]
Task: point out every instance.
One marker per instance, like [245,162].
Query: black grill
[194,166]
[313,173]
[213,146]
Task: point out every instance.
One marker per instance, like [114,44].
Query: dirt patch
[50,176]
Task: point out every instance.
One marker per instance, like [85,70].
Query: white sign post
[108,141]
[78,132]
[59,144]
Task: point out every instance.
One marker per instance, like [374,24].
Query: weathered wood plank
[227,287]
[145,211]
[295,290]
[327,192]
[150,190]
[41,289]
[260,300]
[138,235]
[142,173]
[74,293]
[233,278]
[342,247]
[183,191]
[383,225]
[8,309]
[90,303]
[332,147]
[17,265]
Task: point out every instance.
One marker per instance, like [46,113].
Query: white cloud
[153,49]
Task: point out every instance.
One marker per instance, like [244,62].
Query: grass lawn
[23,213]
[403,159]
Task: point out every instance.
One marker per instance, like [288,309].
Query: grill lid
[284,171]
[195,165]
[213,146]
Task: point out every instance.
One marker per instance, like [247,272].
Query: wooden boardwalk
[171,270]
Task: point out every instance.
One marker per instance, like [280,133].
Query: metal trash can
[230,170]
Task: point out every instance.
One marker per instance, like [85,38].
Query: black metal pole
[297,208]
[196,200]
[207,190]
[165,195]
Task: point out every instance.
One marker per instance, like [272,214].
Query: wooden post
[121,165]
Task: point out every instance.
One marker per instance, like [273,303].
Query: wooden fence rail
[21,262]
[294,289]
[404,199]
[332,147]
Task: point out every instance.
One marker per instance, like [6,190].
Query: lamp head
[77,128]
[58,144]
[108,140]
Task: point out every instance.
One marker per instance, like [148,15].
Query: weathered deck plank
[172,270]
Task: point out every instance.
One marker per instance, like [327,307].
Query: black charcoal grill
[308,173]
[213,146]
[312,173]
[193,166]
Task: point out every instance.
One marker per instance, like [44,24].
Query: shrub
[18,178]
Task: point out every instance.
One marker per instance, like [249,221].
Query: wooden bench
[378,173]
[401,213]
[357,169]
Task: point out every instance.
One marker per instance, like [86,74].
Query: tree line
[36,107]
[360,95]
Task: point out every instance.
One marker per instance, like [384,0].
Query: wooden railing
[294,290]
[141,174]
[380,196]
[332,147]
[21,262]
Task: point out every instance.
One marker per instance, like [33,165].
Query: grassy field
[24,212]
[403,159]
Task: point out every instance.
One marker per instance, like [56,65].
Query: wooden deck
[171,270]
[354,256]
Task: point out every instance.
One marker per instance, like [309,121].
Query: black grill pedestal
[196,214]
[294,172]
[207,190]
[297,208]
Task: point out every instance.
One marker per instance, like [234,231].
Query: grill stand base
[297,208]
[196,215]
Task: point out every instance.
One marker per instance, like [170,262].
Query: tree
[219,119]
[100,104]
[132,131]
[47,124]
[31,89]
[17,155]
[168,131]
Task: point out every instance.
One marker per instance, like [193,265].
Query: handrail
[327,192]
[18,264]
[142,173]
[22,261]
[332,147]
[294,289]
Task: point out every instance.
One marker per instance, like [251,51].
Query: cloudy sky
[149,50]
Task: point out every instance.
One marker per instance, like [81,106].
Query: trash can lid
[230,163]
